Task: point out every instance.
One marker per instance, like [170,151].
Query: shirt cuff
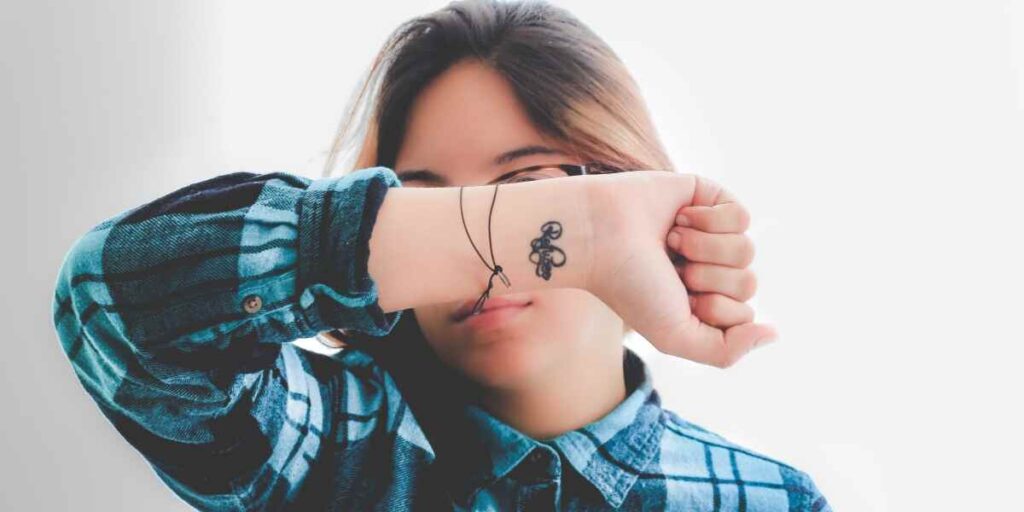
[336,220]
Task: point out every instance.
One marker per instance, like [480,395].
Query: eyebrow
[430,176]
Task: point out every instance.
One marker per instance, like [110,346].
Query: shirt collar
[610,453]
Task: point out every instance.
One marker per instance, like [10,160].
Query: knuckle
[717,302]
[693,275]
[749,285]
[748,251]
[747,315]
[743,218]
[690,245]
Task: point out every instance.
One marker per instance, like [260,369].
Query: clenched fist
[670,257]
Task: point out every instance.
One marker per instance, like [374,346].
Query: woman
[177,315]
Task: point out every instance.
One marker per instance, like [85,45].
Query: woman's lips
[492,303]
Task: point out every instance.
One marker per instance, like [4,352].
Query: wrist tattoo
[543,253]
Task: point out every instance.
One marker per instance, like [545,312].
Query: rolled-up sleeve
[173,316]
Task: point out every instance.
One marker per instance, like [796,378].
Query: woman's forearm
[420,254]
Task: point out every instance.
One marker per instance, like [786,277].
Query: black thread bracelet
[496,270]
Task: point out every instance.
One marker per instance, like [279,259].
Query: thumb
[669,324]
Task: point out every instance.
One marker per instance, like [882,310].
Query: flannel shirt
[177,316]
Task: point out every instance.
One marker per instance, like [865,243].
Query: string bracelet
[496,270]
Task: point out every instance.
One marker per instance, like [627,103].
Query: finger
[707,192]
[714,209]
[710,345]
[738,284]
[721,311]
[730,249]
[722,218]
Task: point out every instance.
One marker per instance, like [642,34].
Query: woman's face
[458,125]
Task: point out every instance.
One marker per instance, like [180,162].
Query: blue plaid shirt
[177,316]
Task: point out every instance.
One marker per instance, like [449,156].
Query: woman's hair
[575,90]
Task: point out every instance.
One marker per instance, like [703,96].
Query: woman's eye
[519,178]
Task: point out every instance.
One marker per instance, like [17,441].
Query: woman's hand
[634,271]
[712,257]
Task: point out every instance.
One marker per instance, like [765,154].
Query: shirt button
[252,304]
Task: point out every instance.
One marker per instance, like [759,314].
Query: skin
[555,365]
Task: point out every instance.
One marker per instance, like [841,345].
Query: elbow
[78,285]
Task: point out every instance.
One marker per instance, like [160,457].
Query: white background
[878,145]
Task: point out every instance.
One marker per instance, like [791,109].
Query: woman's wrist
[540,232]
[606,207]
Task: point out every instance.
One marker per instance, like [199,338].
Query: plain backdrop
[879,146]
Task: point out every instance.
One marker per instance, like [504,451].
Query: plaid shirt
[177,317]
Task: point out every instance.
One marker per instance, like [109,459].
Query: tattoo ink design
[547,255]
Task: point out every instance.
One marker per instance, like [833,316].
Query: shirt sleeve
[816,501]
[175,317]
[804,494]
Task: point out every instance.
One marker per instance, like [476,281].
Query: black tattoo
[546,254]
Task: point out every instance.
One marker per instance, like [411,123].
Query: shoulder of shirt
[677,426]
[680,437]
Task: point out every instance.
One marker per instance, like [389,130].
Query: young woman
[503,157]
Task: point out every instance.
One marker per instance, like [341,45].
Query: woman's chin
[503,363]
